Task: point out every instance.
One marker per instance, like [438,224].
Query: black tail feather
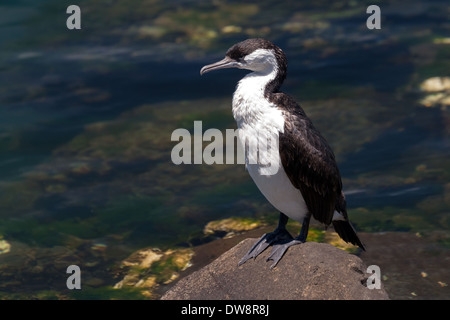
[346,231]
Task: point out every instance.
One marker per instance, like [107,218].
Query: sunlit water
[87,116]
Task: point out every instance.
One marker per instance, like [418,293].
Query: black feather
[346,231]
[308,160]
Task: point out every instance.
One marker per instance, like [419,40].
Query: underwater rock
[5,246]
[28,268]
[147,269]
[231,29]
[439,89]
[231,226]
[436,99]
[435,84]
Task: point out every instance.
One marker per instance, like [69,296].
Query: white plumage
[259,121]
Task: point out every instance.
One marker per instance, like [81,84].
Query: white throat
[259,121]
[249,103]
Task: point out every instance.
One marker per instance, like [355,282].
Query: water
[87,115]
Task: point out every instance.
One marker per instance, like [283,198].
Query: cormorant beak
[226,62]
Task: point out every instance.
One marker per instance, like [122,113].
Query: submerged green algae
[133,204]
[128,160]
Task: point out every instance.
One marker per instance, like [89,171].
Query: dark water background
[86,118]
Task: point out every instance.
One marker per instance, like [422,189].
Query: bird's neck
[257,82]
[251,103]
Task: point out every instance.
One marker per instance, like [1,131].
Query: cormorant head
[258,55]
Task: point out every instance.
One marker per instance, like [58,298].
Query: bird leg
[278,236]
[279,249]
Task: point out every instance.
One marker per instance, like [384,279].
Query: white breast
[259,120]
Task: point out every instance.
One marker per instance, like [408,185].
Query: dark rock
[308,271]
[413,266]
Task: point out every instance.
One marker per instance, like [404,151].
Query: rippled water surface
[86,118]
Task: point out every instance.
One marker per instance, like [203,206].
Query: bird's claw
[278,251]
[276,238]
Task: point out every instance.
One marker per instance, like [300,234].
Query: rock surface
[308,271]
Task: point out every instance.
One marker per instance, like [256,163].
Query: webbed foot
[278,237]
[278,251]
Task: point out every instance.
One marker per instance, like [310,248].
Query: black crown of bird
[308,182]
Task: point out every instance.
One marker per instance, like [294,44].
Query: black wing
[309,161]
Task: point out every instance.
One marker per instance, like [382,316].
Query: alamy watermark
[74,280]
[73,22]
[249,147]
[374,21]
[374,280]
